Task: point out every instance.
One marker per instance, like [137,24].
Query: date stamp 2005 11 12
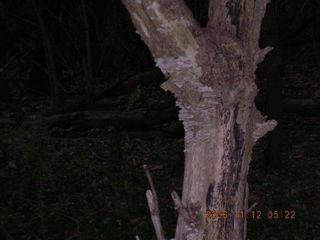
[257,214]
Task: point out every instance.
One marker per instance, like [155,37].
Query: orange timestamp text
[257,214]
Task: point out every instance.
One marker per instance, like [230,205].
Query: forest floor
[57,184]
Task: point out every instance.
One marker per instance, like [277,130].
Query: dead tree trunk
[211,72]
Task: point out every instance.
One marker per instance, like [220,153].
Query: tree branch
[163,25]
[154,206]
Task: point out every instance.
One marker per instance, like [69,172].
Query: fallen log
[135,119]
[142,118]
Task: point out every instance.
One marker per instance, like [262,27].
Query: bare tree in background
[211,72]
[49,55]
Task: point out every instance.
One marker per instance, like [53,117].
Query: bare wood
[154,206]
[179,206]
[251,208]
[153,189]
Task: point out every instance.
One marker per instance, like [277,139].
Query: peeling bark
[211,73]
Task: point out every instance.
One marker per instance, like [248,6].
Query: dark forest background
[82,109]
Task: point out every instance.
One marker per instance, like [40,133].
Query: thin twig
[179,206]
[96,155]
[251,208]
[153,189]
[154,206]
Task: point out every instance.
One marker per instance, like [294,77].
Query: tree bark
[211,73]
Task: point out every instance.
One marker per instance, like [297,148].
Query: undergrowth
[55,187]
